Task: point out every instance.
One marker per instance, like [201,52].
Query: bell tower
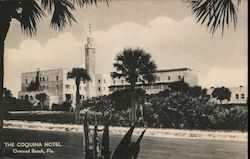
[90,63]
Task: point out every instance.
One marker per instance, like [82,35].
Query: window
[158,78]
[169,78]
[104,81]
[242,96]
[43,78]
[40,78]
[99,89]
[81,97]
[31,98]
[57,87]
[104,88]
[122,81]
[237,96]
[26,80]
[68,96]
[67,86]
[26,97]
[114,81]
[99,81]
[57,78]
[43,87]
[179,77]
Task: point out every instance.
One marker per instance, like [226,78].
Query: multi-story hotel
[164,77]
[59,88]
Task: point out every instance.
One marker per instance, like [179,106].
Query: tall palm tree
[215,13]
[134,65]
[79,74]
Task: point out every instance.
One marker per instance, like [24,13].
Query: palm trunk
[4,28]
[133,110]
[105,142]
[86,136]
[77,102]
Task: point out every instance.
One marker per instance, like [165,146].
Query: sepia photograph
[124,79]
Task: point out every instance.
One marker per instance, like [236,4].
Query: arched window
[26,97]
[31,98]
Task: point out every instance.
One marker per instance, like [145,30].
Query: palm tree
[134,65]
[79,74]
[215,13]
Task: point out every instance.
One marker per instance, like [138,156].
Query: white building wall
[239,95]
[102,84]
[164,77]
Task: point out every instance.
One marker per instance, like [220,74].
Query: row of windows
[26,97]
[154,87]
[85,88]
[70,97]
[41,79]
[158,79]
[237,96]
[99,81]
[44,87]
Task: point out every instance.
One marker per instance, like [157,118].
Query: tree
[79,74]
[221,93]
[215,13]
[42,97]
[121,99]
[134,65]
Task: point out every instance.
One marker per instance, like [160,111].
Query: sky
[165,29]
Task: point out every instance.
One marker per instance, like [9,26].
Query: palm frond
[215,13]
[79,74]
[29,16]
[83,3]
[62,12]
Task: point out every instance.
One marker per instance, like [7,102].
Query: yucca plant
[124,150]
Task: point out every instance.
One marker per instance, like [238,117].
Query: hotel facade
[58,88]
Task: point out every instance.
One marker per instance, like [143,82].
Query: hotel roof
[172,70]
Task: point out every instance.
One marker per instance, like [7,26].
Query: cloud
[172,44]
[59,52]
[224,77]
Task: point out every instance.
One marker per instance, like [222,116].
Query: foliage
[7,94]
[42,97]
[221,93]
[182,109]
[124,150]
[215,13]
[14,104]
[33,86]
[29,13]
[79,74]
[134,65]
[62,107]
[11,103]
[181,86]
[121,99]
